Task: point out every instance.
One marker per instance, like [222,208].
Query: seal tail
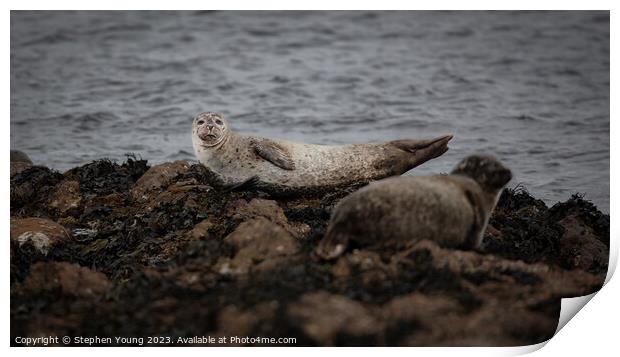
[437,144]
[423,150]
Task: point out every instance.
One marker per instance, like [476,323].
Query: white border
[592,330]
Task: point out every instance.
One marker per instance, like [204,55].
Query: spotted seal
[288,168]
[452,210]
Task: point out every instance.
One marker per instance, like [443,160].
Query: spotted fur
[288,167]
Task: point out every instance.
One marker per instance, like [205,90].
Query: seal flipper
[246,185]
[437,145]
[474,236]
[219,183]
[332,246]
[274,153]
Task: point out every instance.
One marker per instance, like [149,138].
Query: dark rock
[581,248]
[257,242]
[325,317]
[242,210]
[19,162]
[202,229]
[158,177]
[233,321]
[17,167]
[69,279]
[31,189]
[66,198]
[39,234]
[104,177]
[527,231]
[189,259]
[586,212]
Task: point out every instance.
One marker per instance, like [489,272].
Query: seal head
[211,128]
[486,170]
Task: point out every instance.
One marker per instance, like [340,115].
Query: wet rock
[19,162]
[324,317]
[257,241]
[232,263]
[201,230]
[258,207]
[585,211]
[39,234]
[495,324]
[494,233]
[67,198]
[420,313]
[70,279]
[508,278]
[526,231]
[580,247]
[359,262]
[232,321]
[243,210]
[158,177]
[30,190]
[104,177]
[420,308]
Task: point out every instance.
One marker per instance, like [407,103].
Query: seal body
[288,167]
[452,210]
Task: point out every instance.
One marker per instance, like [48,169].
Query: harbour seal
[452,210]
[287,168]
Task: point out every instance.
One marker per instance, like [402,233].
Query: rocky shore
[129,250]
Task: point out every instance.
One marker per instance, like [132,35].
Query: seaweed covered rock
[133,251]
[585,211]
[19,162]
[581,248]
[326,317]
[65,279]
[573,234]
[242,210]
[31,189]
[158,177]
[103,177]
[259,244]
[66,198]
[527,232]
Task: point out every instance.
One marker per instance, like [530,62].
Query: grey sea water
[529,87]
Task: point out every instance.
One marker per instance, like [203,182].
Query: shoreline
[134,250]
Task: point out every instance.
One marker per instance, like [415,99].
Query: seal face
[486,170]
[211,128]
[282,167]
[452,210]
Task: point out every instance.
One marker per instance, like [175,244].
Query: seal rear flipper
[274,153]
[331,247]
[435,146]
[247,185]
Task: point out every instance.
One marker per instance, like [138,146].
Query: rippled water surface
[532,88]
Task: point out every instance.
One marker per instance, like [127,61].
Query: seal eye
[200,122]
[218,122]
